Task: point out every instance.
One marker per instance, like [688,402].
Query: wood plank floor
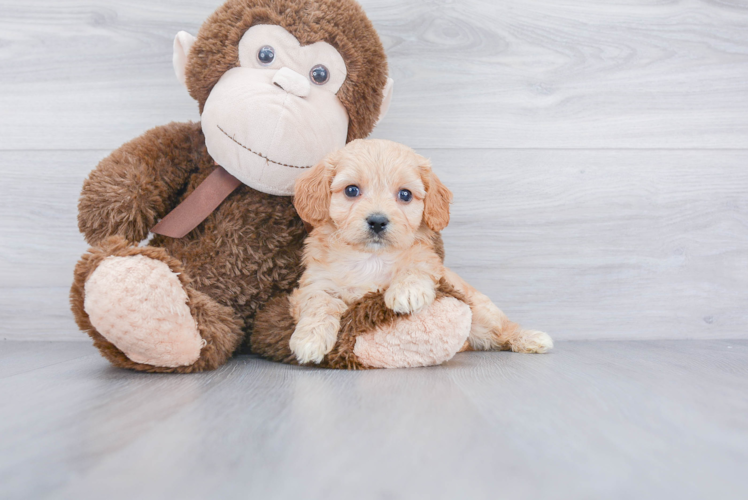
[593,419]
[597,153]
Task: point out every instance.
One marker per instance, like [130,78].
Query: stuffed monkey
[280,84]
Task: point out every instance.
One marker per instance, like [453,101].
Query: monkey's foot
[139,305]
[427,338]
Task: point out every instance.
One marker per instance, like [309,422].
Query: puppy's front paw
[410,296]
[532,341]
[313,339]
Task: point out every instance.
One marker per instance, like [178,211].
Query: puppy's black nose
[377,222]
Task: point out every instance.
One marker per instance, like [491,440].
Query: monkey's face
[276,114]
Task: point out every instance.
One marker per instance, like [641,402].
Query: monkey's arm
[140,182]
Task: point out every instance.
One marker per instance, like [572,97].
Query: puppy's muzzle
[377,223]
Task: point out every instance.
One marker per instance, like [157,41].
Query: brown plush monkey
[280,83]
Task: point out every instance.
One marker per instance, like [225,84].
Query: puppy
[376,208]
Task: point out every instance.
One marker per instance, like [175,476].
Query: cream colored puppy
[376,208]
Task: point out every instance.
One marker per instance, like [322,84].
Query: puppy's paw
[313,339]
[410,296]
[532,341]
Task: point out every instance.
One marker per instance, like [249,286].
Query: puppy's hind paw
[532,341]
[410,297]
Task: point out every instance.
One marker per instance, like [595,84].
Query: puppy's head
[377,194]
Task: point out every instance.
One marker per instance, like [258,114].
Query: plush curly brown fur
[341,23]
[245,252]
[248,250]
[274,327]
[218,325]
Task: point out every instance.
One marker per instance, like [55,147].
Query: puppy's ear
[312,192]
[438,198]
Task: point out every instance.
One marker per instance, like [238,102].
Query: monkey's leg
[372,335]
[142,313]
[491,329]
[430,337]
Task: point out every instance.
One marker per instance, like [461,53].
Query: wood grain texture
[618,420]
[40,242]
[604,244]
[582,244]
[473,73]
[597,151]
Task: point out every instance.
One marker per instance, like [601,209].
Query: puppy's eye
[405,195]
[266,55]
[352,191]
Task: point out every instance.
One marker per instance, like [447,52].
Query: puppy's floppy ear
[312,191]
[438,198]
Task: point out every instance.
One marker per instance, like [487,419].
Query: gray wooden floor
[597,152]
[593,419]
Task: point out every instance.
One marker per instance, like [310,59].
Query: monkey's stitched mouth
[259,154]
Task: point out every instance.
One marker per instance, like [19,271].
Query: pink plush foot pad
[430,337]
[139,305]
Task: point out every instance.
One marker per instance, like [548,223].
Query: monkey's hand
[139,183]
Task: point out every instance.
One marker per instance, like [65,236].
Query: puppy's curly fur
[376,207]
[346,257]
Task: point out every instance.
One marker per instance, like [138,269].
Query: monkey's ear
[437,200]
[182,44]
[312,192]
[386,100]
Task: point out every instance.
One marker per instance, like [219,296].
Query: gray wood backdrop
[598,151]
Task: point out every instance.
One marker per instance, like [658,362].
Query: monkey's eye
[319,74]
[405,195]
[266,55]
[352,191]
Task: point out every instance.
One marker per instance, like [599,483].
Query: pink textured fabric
[425,339]
[139,305]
